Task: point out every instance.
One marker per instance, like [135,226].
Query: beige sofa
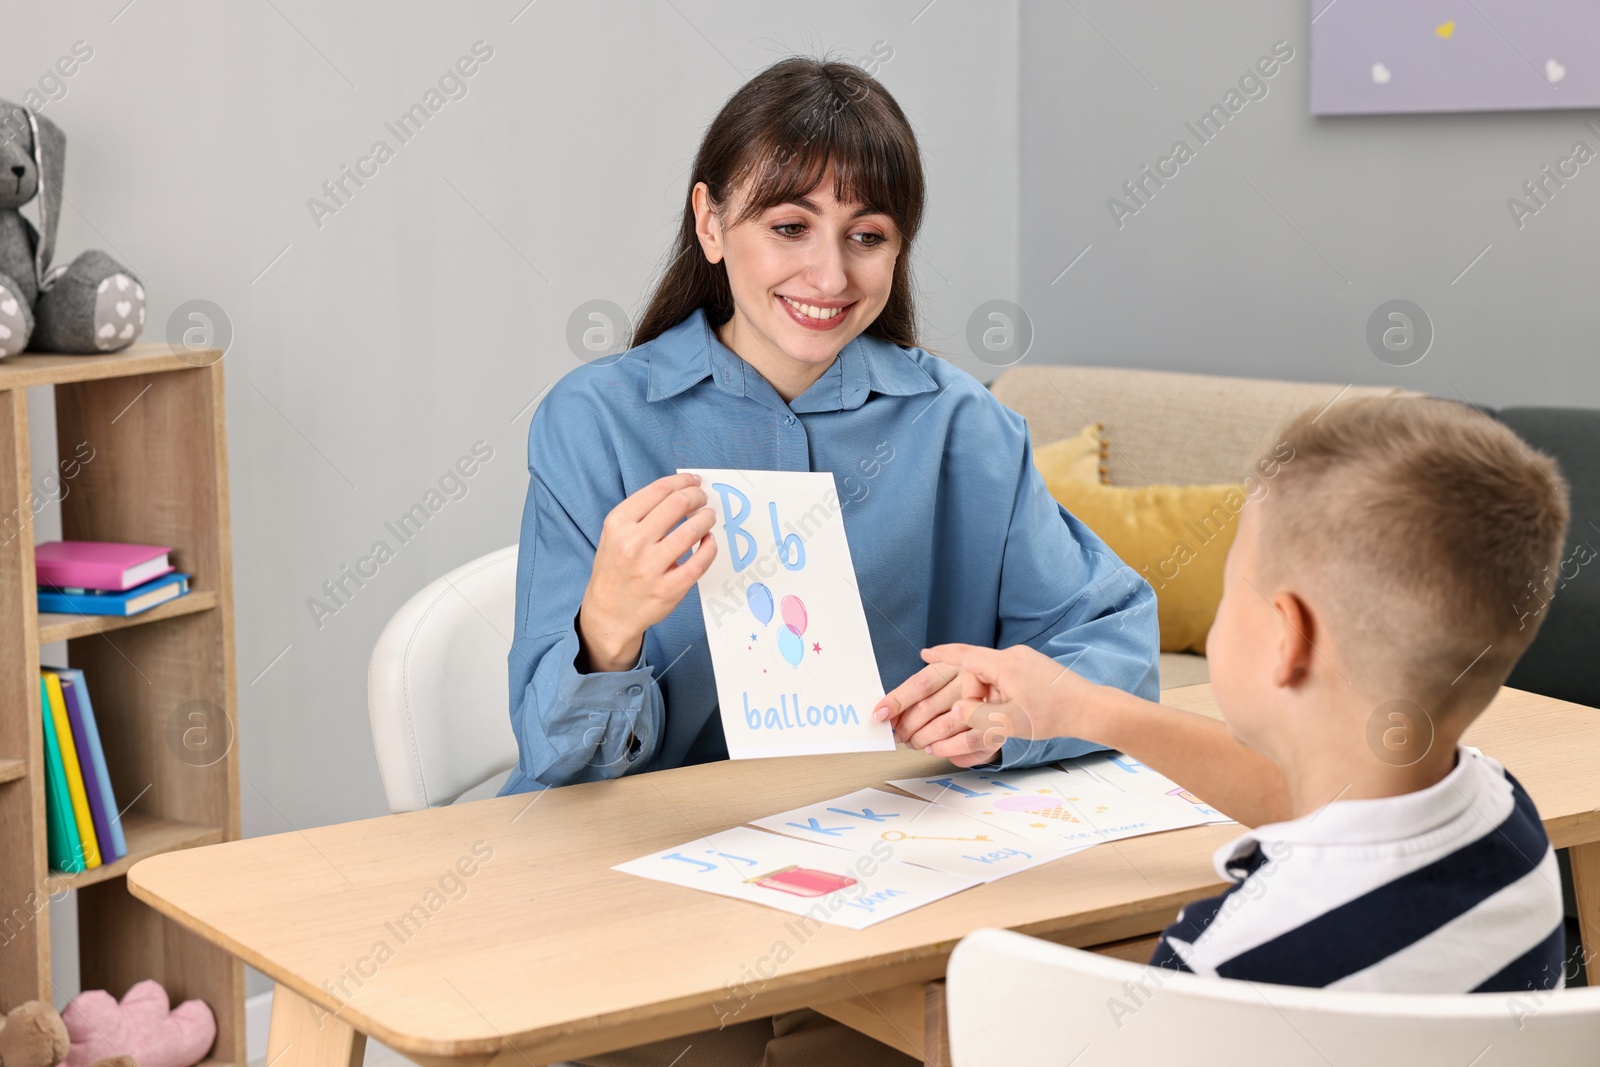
[1165,428]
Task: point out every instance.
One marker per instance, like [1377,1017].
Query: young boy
[1373,603]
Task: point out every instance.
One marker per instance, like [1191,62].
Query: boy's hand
[921,711]
[1029,694]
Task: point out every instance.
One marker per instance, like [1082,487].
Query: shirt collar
[689,352]
[1380,820]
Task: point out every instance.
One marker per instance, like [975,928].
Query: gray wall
[430,310]
[1279,280]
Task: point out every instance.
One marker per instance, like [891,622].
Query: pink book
[105,565]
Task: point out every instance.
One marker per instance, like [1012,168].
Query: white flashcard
[826,884]
[790,648]
[1129,775]
[1045,804]
[928,835]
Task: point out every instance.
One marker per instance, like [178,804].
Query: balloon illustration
[791,646]
[794,614]
[760,600]
[794,624]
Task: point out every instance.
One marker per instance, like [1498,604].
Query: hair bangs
[781,170]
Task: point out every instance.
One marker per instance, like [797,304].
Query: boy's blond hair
[1418,528]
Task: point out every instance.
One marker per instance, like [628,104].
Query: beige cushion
[1164,427]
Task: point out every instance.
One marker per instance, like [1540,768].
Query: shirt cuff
[1017,752]
[614,709]
[600,690]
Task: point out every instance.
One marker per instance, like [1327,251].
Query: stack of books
[83,826]
[105,577]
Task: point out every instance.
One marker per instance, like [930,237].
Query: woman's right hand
[636,580]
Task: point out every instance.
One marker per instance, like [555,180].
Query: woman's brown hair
[779,132]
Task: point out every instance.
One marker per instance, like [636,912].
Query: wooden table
[542,952]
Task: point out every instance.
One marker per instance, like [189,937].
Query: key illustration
[896,835]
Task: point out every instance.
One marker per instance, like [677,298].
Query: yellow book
[69,756]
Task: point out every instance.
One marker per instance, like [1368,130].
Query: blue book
[103,802]
[128,602]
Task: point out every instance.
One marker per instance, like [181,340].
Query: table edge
[780,993]
[868,975]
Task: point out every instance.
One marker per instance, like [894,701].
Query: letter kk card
[790,648]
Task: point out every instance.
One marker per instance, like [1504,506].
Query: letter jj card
[802,878]
[790,648]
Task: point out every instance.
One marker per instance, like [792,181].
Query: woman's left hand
[921,711]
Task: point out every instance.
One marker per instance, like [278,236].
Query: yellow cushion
[1079,458]
[1175,536]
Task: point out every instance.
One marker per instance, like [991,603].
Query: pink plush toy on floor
[144,1026]
[33,1035]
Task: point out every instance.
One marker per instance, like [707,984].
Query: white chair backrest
[1016,1000]
[437,688]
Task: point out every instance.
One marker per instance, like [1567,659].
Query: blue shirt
[952,532]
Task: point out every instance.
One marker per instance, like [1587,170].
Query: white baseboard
[257,1010]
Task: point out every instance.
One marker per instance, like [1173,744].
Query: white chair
[1015,1000]
[437,687]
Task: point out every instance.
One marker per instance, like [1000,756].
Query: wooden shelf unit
[157,474]
[147,836]
[53,627]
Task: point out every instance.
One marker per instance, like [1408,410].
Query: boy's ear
[1296,640]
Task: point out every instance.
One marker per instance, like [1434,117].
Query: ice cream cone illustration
[1043,807]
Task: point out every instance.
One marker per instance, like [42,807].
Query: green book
[61,826]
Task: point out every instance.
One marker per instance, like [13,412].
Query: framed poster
[1382,56]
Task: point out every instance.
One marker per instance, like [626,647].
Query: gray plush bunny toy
[92,304]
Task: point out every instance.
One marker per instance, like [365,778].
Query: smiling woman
[782,337]
[823,157]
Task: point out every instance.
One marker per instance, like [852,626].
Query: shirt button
[635,690]
[789,420]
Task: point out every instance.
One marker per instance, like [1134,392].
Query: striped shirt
[1449,889]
